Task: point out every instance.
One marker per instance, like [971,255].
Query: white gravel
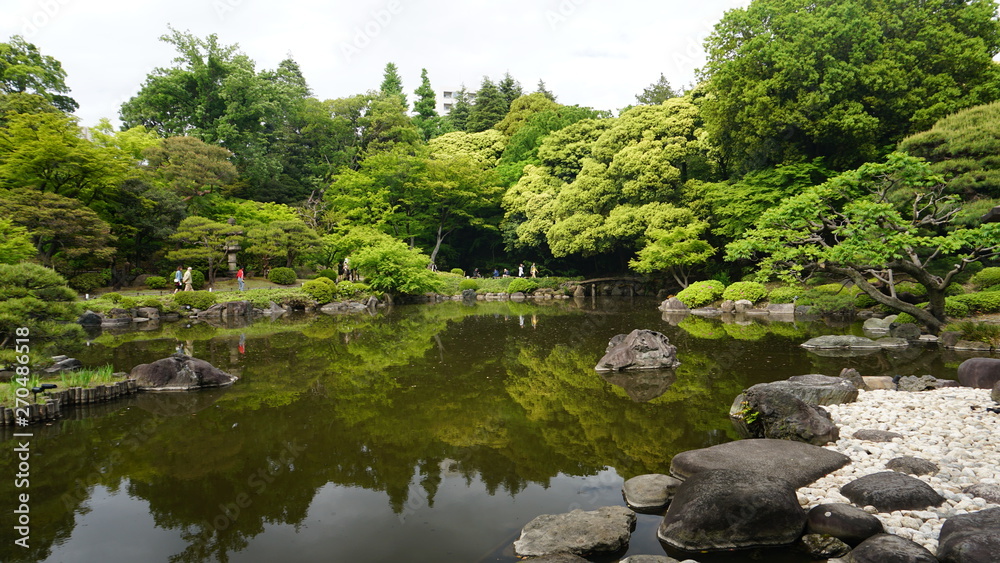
[949,427]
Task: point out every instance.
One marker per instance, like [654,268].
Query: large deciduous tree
[792,80]
[870,226]
[24,70]
[189,167]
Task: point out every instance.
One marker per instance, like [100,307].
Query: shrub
[197,279]
[521,285]
[468,284]
[823,303]
[458,271]
[350,289]
[955,309]
[152,302]
[954,289]
[864,301]
[980,302]
[86,283]
[749,290]
[986,277]
[328,273]
[906,318]
[391,266]
[912,288]
[195,299]
[701,293]
[979,332]
[281,276]
[112,297]
[785,294]
[127,303]
[322,289]
[156,282]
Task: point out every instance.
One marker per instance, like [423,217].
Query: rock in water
[980,373]
[607,529]
[765,411]
[179,373]
[732,509]
[649,492]
[640,349]
[971,538]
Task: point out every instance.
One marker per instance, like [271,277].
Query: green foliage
[15,243]
[822,303]
[979,332]
[87,283]
[906,318]
[458,271]
[956,309]
[128,303]
[911,288]
[195,299]
[281,276]
[978,303]
[156,282]
[785,294]
[751,291]
[702,328]
[262,298]
[701,293]
[329,274]
[37,300]
[322,289]
[152,302]
[468,284]
[986,277]
[86,377]
[112,296]
[23,69]
[197,279]
[390,266]
[521,285]
[349,289]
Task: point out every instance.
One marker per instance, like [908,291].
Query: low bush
[197,279]
[86,283]
[912,288]
[322,289]
[128,303]
[156,282]
[824,303]
[281,276]
[979,302]
[978,332]
[329,274]
[785,294]
[458,271]
[955,309]
[521,285]
[468,284]
[349,289]
[112,297]
[906,318]
[986,277]
[152,302]
[195,299]
[701,293]
[749,290]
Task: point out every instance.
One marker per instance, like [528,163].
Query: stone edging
[52,408]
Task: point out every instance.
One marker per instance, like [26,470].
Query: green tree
[142,218]
[23,69]
[657,92]
[510,89]
[427,119]
[392,84]
[189,167]
[458,117]
[543,90]
[490,107]
[392,267]
[677,251]
[792,80]
[876,222]
[288,240]
[15,243]
[36,298]
[131,141]
[207,243]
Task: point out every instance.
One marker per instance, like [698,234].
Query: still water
[428,433]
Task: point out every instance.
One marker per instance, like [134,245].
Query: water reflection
[426,433]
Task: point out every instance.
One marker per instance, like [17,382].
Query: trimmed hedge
[751,291]
[322,289]
[468,284]
[195,299]
[328,273]
[519,285]
[458,271]
[785,294]
[701,293]
[986,277]
[156,282]
[281,276]
[980,302]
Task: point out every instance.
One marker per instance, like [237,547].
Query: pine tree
[459,115]
[427,119]
[392,84]
[544,91]
[510,89]
[489,109]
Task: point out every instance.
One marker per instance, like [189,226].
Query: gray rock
[823,547]
[764,411]
[972,346]
[796,462]
[980,373]
[906,331]
[649,492]
[913,383]
[726,509]
[559,558]
[888,491]
[887,548]
[836,341]
[179,373]
[518,296]
[607,529]
[147,312]
[674,305]
[118,313]
[854,377]
[995,394]
[787,309]
[870,435]
[971,538]
[949,338]
[728,306]
[89,318]
[742,305]
[639,349]
[229,309]
[817,389]
[892,342]
[847,523]
[64,364]
[912,465]
[877,326]
[468,295]
[877,382]
[985,491]
[649,559]
[332,308]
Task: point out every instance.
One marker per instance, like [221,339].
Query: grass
[86,378]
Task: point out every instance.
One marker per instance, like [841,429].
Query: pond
[423,433]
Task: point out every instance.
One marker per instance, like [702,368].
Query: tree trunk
[932,317]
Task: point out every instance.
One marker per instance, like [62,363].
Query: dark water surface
[422,434]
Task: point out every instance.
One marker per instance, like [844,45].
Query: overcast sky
[596,53]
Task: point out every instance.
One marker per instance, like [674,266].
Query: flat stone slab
[607,529]
[649,492]
[888,491]
[817,389]
[870,435]
[838,341]
[796,462]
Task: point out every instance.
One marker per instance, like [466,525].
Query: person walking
[534,270]
[178,276]
[239,278]
[520,270]
[187,280]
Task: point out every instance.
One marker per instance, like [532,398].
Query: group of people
[533,271]
[183,279]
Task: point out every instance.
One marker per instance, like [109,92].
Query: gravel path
[949,427]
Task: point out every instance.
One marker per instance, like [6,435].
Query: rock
[787,309]
[559,558]
[640,349]
[887,548]
[836,341]
[912,465]
[743,305]
[875,435]
[579,291]
[147,313]
[89,318]
[995,394]
[844,522]
[877,382]
[468,295]
[980,373]
[817,389]
[913,383]
[823,547]
[764,411]
[518,296]
[796,462]
[949,338]
[118,313]
[892,342]
[648,559]
[854,377]
[878,327]
[907,331]
[988,492]
[179,373]
[674,305]
[888,491]
[971,538]
[649,492]
[607,529]
[972,346]
[728,306]
[64,364]
[726,509]
[229,309]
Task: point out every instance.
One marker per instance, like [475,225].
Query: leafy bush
[197,279]
[156,282]
[195,299]
[954,289]
[262,298]
[979,332]
[468,284]
[701,293]
[38,299]
[749,290]
[864,301]
[391,266]
[329,274]
[281,276]
[955,309]
[986,277]
[152,302]
[906,318]
[911,288]
[823,303]
[112,297]
[521,285]
[980,302]
[351,289]
[322,289]
[86,283]
[128,303]
[458,271]
[785,294]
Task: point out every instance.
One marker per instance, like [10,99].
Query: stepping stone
[796,462]
[888,491]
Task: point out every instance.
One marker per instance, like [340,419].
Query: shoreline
[949,427]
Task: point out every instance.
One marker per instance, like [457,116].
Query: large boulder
[847,523]
[971,538]
[179,372]
[765,411]
[888,491]
[89,318]
[980,373]
[907,331]
[639,349]
[674,305]
[607,529]
[887,548]
[229,309]
[817,389]
[796,462]
[649,492]
[727,509]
